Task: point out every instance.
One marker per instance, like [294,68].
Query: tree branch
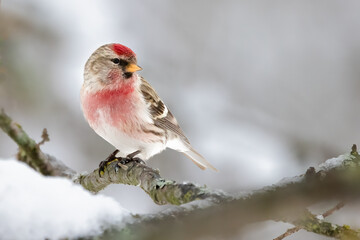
[29,150]
[223,215]
[160,190]
[282,202]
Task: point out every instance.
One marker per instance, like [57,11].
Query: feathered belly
[129,134]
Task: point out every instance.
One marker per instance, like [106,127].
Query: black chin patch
[127,75]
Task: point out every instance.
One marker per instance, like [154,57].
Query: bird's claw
[127,160]
[121,161]
[131,158]
[103,164]
[138,160]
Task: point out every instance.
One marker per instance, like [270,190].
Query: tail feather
[199,160]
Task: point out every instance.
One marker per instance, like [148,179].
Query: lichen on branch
[160,190]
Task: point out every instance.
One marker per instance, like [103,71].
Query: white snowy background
[263,89]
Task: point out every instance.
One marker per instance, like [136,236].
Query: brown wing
[160,114]
[163,119]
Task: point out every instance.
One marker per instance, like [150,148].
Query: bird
[125,110]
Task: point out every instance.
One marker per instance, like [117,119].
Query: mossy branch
[312,223]
[29,150]
[160,190]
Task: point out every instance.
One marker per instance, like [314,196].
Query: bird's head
[109,64]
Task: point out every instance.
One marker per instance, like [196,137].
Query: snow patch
[289,180]
[334,162]
[327,165]
[36,207]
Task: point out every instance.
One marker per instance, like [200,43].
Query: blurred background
[262,89]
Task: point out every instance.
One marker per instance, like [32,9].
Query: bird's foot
[127,160]
[121,161]
[131,158]
[111,158]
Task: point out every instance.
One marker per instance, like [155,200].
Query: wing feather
[160,114]
[164,119]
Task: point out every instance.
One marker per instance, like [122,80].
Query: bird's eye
[115,60]
[118,61]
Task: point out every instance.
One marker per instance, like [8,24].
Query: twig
[44,137]
[288,233]
[332,210]
[324,215]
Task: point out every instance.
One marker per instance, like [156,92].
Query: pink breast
[117,105]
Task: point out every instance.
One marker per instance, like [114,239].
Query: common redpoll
[125,110]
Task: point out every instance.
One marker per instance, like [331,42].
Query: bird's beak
[132,67]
